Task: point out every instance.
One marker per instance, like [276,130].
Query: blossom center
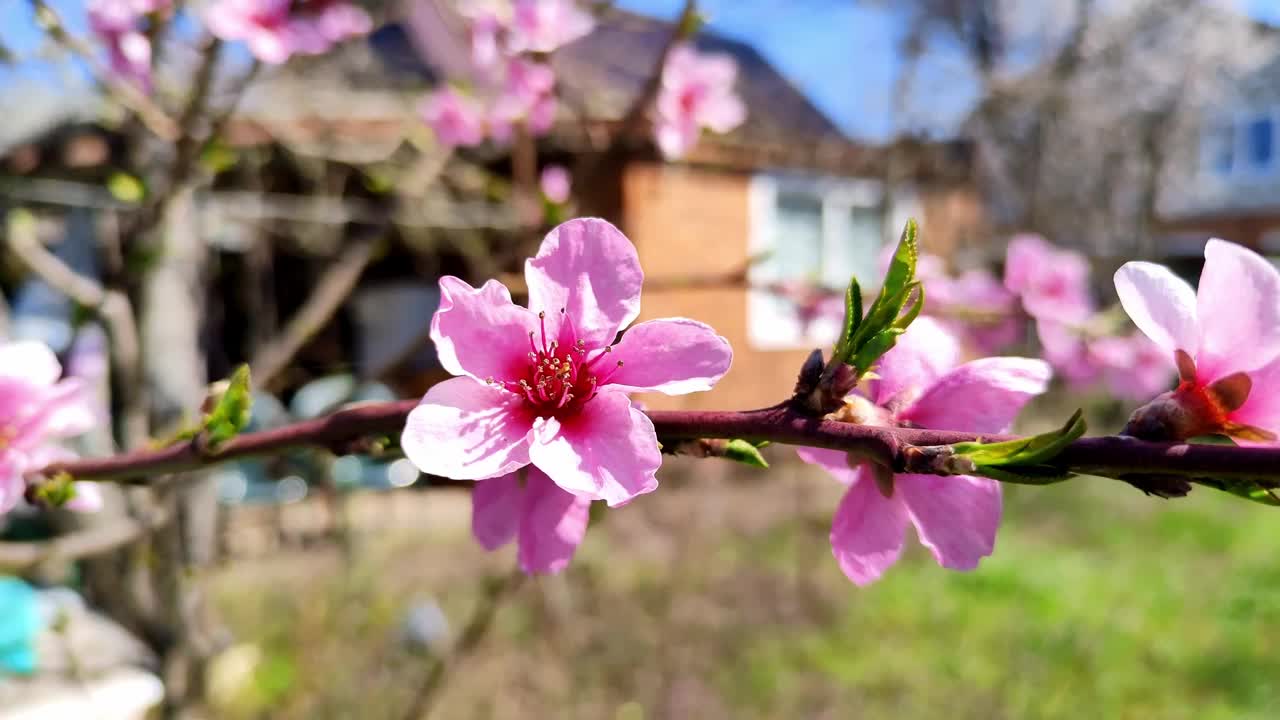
[560,378]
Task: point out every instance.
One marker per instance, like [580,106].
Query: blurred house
[322,147]
[1222,176]
[786,188]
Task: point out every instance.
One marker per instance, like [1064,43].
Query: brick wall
[687,221]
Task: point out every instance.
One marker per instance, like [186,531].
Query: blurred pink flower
[546,522]
[36,410]
[1224,340]
[697,92]
[527,95]
[1064,347]
[277,29]
[955,517]
[556,184]
[975,305]
[543,26]
[547,385]
[117,23]
[1132,366]
[454,118]
[1053,283]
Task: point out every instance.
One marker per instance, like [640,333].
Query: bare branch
[496,591]
[151,114]
[899,447]
[112,307]
[330,292]
[88,542]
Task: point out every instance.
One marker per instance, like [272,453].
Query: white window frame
[1242,169]
[766,330]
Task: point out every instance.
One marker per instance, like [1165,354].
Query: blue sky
[841,53]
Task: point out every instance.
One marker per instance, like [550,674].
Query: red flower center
[560,379]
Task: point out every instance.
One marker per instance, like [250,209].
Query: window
[1239,147]
[814,232]
[1259,142]
[1219,148]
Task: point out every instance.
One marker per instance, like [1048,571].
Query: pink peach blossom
[527,95]
[1132,367]
[276,29]
[454,118]
[920,384]
[543,26]
[556,183]
[697,92]
[548,385]
[118,24]
[1224,339]
[546,522]
[36,409]
[1053,283]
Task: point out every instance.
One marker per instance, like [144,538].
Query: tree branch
[112,307]
[496,591]
[906,449]
[151,114]
[330,292]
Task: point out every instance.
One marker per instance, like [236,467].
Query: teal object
[19,623]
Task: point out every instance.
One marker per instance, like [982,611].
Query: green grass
[721,600]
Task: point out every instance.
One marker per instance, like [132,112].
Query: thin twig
[151,114]
[112,307]
[86,542]
[330,292]
[899,447]
[496,591]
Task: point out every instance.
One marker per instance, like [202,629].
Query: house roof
[369,89]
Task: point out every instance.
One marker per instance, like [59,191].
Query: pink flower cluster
[539,411]
[37,409]
[1053,286]
[1223,338]
[697,92]
[920,383]
[512,86]
[274,30]
[120,25]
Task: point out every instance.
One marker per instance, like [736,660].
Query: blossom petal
[867,531]
[552,524]
[29,360]
[495,510]
[1239,308]
[87,499]
[836,462]
[673,356]
[12,486]
[480,332]
[922,354]
[982,395]
[466,430]
[589,269]
[608,451]
[1161,304]
[1262,408]
[956,517]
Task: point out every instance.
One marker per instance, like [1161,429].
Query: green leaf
[874,348]
[1244,488]
[125,187]
[886,311]
[217,157]
[1023,453]
[231,411]
[852,312]
[1028,475]
[915,292]
[55,491]
[744,452]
